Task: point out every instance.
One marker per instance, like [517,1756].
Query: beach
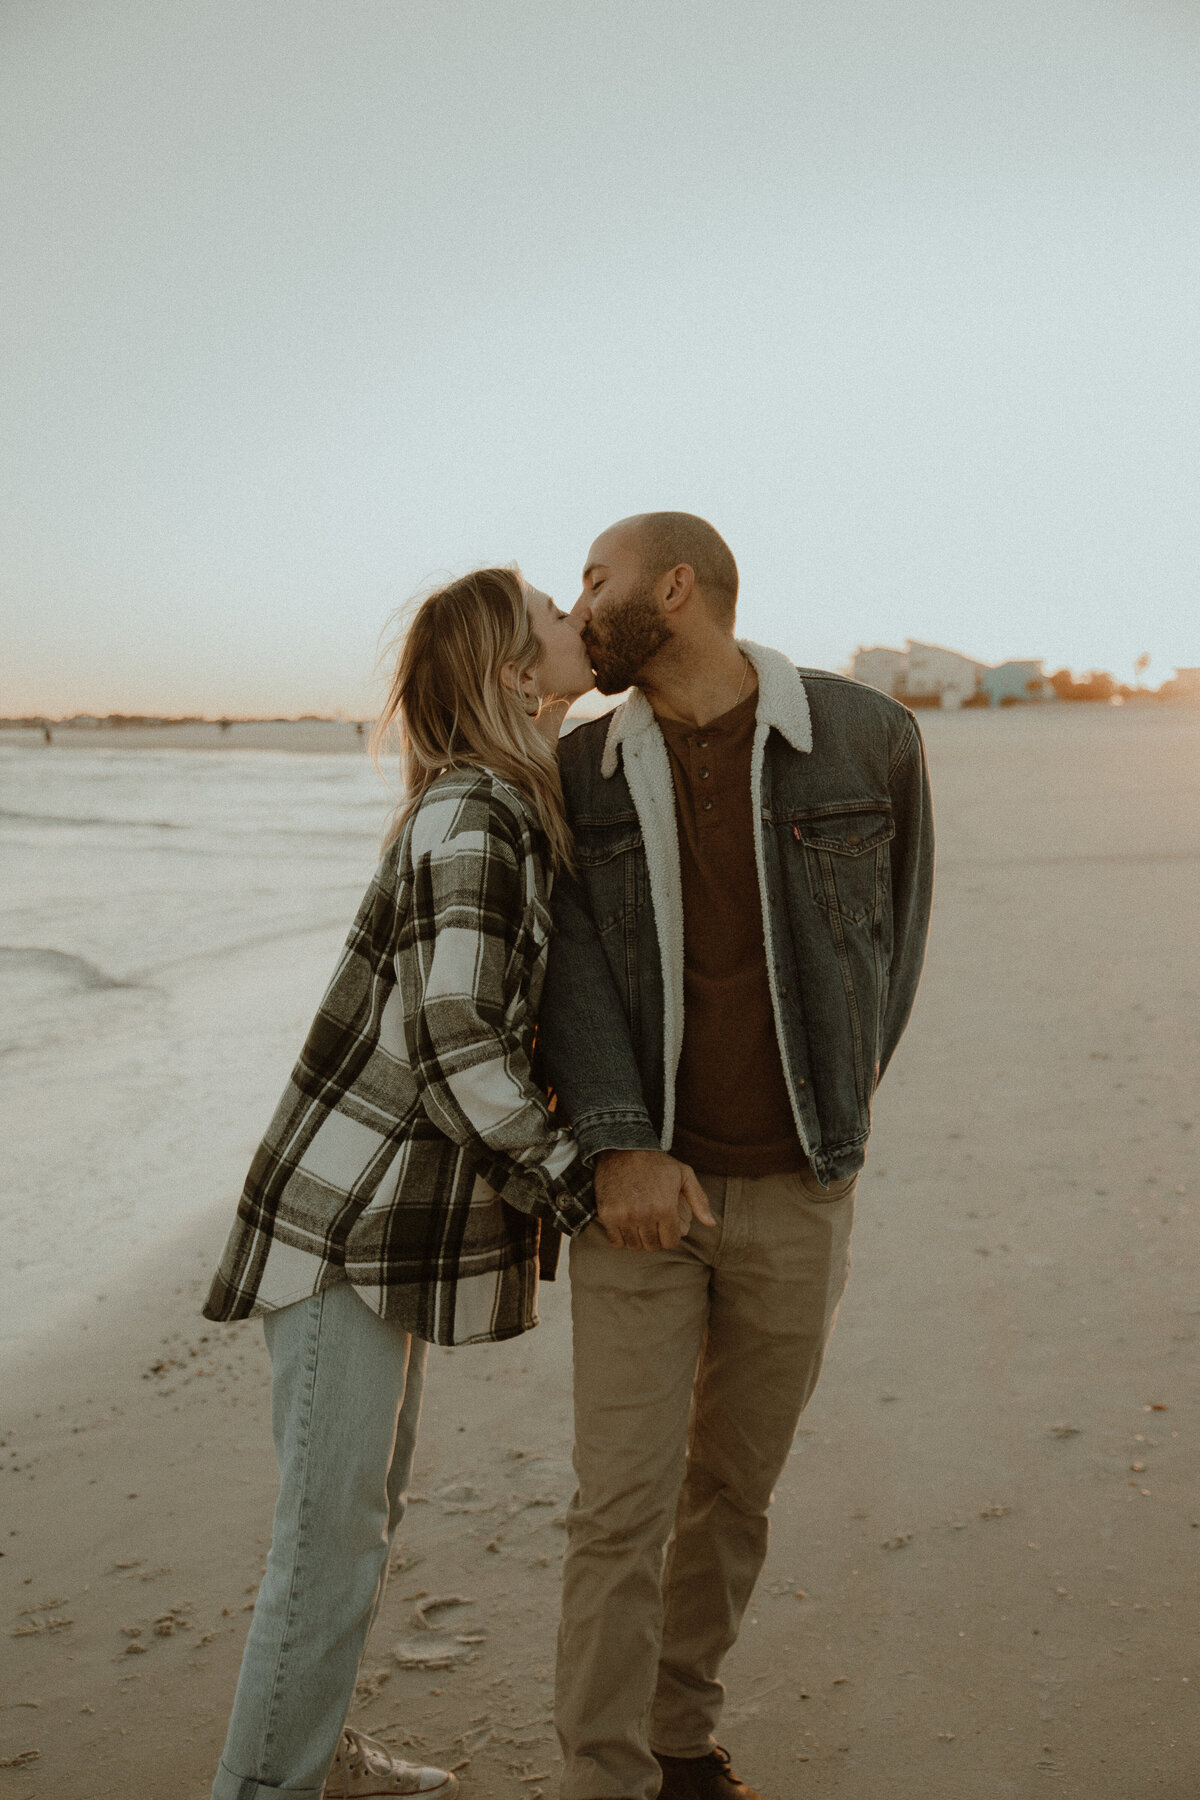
[981,1579]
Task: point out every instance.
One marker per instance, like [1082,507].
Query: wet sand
[982,1572]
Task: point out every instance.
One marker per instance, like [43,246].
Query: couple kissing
[709,907]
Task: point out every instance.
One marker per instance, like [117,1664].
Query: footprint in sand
[432,1649]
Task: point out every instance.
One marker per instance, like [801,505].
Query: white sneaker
[364,1768]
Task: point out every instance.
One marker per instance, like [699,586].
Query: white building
[926,674]
[939,676]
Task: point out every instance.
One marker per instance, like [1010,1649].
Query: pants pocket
[837,1190]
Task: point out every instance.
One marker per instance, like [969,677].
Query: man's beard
[631,632]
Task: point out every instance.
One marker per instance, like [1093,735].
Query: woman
[397,1198]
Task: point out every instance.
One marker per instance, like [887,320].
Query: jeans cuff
[229,1786]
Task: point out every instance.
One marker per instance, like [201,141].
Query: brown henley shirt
[732,1112]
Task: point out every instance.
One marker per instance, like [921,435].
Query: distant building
[934,676]
[930,675]
[1184,685]
[1015,681]
[880,668]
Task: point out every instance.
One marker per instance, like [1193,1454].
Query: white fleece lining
[648,772]
[757,759]
[782,706]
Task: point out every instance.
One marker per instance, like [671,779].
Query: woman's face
[564,671]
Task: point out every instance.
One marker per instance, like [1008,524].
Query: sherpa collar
[782,704]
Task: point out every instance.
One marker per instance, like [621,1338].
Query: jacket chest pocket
[611,859]
[847,858]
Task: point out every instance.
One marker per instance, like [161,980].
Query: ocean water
[168,920]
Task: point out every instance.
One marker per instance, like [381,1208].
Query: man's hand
[645,1200]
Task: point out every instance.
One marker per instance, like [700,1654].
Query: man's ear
[677,586]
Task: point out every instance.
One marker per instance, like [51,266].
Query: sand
[981,1576]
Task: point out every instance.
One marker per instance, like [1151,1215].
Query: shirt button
[706,806]
[703,743]
[704,774]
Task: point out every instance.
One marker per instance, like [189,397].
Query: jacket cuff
[616,1128]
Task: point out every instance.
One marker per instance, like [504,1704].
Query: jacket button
[783,990]
[800,1081]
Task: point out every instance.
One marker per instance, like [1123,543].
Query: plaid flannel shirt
[412,1151]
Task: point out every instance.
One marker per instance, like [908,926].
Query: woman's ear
[522,687]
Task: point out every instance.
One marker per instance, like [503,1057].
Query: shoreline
[297,736]
[350,737]
[306,736]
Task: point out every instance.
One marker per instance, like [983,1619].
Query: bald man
[732,968]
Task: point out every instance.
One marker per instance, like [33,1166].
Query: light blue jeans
[345,1405]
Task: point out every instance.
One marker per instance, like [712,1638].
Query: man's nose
[580,614]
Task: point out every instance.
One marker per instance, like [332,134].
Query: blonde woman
[397,1198]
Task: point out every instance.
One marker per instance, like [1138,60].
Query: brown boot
[702,1778]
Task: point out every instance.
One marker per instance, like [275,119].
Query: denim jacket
[843,834]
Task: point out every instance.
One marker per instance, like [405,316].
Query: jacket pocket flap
[595,845]
[851,835]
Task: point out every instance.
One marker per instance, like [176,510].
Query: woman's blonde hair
[449,708]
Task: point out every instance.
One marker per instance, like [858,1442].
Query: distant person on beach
[399,1195]
[732,968]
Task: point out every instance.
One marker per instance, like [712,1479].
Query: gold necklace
[742,682]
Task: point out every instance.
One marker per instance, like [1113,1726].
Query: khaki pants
[692,1368]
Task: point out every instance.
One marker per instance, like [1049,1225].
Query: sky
[310,302]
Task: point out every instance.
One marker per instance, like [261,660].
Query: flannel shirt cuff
[572,1198]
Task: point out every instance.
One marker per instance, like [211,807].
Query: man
[732,969]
